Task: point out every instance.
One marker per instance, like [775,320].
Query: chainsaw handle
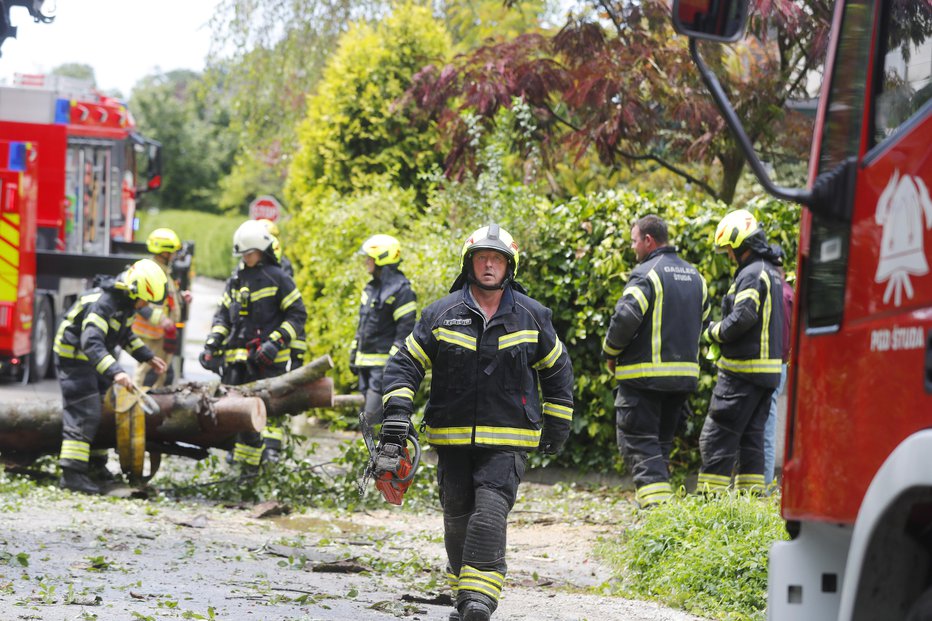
[415,461]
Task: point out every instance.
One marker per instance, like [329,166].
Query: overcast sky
[123,40]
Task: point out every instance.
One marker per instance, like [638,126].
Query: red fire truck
[857,478]
[70,183]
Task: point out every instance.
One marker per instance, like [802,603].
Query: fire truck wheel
[43,332]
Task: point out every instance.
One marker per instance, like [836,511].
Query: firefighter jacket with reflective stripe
[100,320]
[386,316]
[259,303]
[751,329]
[148,323]
[488,375]
[655,331]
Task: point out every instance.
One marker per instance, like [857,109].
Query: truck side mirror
[711,20]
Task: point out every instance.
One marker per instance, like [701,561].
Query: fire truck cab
[857,477]
[85,166]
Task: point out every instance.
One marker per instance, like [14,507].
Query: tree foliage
[618,81]
[196,148]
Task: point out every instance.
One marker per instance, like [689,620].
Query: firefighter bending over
[750,336]
[386,316]
[652,347]
[99,321]
[259,314]
[491,348]
[156,324]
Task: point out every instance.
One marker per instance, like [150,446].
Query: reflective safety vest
[100,320]
[751,329]
[387,313]
[654,333]
[495,383]
[259,303]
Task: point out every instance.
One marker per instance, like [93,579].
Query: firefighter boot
[77,482]
[97,470]
[474,610]
[455,616]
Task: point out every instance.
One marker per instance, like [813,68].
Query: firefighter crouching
[652,347]
[750,337]
[491,347]
[260,313]
[156,324]
[386,316]
[99,321]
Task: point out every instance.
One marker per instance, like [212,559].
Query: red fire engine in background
[72,174]
[857,477]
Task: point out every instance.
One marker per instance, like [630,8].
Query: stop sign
[265,207]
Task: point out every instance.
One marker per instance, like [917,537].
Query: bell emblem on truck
[905,212]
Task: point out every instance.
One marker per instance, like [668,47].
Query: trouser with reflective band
[646,422]
[145,373]
[732,437]
[249,444]
[478,487]
[81,390]
[370,385]
[273,435]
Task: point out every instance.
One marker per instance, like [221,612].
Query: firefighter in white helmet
[750,336]
[259,314]
[502,385]
[387,312]
[85,355]
[157,324]
[298,344]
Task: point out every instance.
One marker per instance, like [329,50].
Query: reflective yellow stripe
[283,355]
[516,338]
[113,323]
[404,309]
[657,318]
[298,344]
[716,328]
[705,297]
[75,450]
[68,351]
[392,350]
[246,454]
[95,320]
[638,296]
[487,582]
[608,349]
[236,355]
[287,327]
[415,349]
[510,436]
[273,433]
[265,292]
[448,436]
[453,581]
[401,393]
[663,369]
[765,320]
[558,411]
[749,294]
[290,299]
[754,365]
[135,344]
[455,338]
[371,360]
[105,363]
[221,330]
[653,494]
[750,482]
[550,359]
[712,482]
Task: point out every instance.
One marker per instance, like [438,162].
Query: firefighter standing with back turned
[259,314]
[652,347]
[750,336]
[490,347]
[99,321]
[386,317]
[156,324]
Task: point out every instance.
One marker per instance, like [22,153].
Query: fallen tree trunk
[203,414]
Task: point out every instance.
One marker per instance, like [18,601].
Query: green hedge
[212,235]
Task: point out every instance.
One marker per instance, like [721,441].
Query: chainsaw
[391,465]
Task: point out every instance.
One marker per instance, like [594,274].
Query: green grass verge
[211,233]
[707,556]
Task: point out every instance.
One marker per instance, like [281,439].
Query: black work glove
[265,355]
[551,442]
[211,359]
